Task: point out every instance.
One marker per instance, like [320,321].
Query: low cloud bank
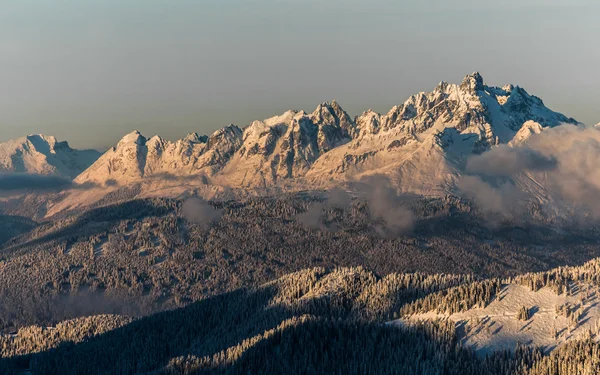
[29,182]
[559,168]
[508,161]
[386,207]
[503,198]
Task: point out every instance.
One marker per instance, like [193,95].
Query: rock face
[286,146]
[43,154]
[420,143]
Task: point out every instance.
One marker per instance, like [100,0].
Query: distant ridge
[44,154]
[420,142]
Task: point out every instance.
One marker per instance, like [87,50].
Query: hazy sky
[89,71]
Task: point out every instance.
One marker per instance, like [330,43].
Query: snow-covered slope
[421,144]
[136,157]
[545,309]
[498,327]
[43,154]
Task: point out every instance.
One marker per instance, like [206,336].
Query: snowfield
[497,326]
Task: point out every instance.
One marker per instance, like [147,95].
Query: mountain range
[421,145]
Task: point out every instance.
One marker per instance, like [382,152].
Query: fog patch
[388,207]
[37,183]
[28,181]
[497,202]
[338,198]
[198,211]
[27,308]
[170,177]
[313,217]
[508,161]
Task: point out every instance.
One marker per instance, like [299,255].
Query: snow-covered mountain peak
[195,138]
[155,138]
[472,83]
[528,129]
[135,137]
[442,86]
[135,157]
[43,154]
[155,144]
[471,107]
[37,138]
[46,143]
[230,130]
[284,118]
[331,113]
[332,107]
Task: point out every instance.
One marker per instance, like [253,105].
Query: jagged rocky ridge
[436,129]
[281,147]
[421,144]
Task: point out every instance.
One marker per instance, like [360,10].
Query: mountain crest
[135,137]
[195,138]
[472,83]
[422,140]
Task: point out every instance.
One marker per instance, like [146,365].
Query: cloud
[389,207]
[314,218]
[576,181]
[338,198]
[558,168]
[198,211]
[170,177]
[29,182]
[508,161]
[504,199]
[386,208]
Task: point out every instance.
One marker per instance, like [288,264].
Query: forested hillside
[187,286]
[313,321]
[143,256]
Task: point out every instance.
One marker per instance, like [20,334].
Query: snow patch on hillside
[497,326]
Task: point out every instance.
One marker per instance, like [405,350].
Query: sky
[90,71]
